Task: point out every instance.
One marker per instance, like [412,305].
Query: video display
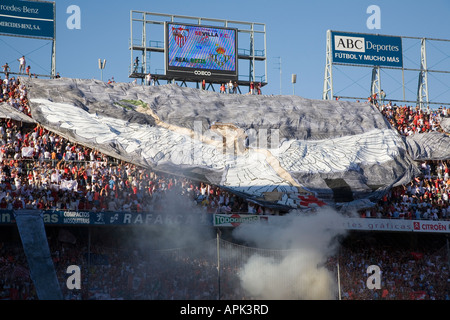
[201,51]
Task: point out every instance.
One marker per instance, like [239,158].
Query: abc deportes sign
[367,49]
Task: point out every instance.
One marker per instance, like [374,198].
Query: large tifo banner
[366,49]
[27,18]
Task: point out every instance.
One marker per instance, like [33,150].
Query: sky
[296,41]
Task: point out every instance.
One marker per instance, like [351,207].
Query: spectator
[148,79]
[22,64]
[6,70]
[382,96]
[136,65]
[230,87]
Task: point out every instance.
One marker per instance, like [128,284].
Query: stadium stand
[125,271]
[41,170]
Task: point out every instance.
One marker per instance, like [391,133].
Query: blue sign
[366,49]
[79,218]
[27,18]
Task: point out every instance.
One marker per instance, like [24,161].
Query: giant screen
[201,52]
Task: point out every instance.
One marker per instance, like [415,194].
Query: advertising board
[367,49]
[27,18]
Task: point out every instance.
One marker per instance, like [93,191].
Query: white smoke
[182,224]
[307,241]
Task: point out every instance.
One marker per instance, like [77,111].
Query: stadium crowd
[126,271]
[419,272]
[425,197]
[41,170]
[15,94]
[120,273]
[409,120]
